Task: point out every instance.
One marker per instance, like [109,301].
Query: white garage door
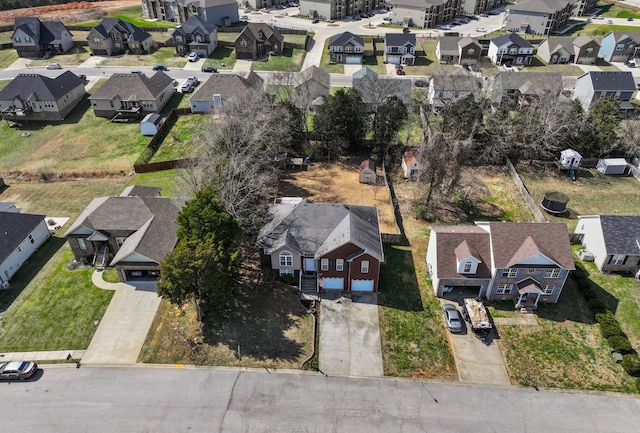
[352,60]
[395,60]
[333,283]
[362,286]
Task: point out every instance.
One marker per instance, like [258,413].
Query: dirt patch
[337,182]
[68,12]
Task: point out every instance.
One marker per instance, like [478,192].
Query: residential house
[524,262]
[425,13]
[613,240]
[221,13]
[34,38]
[36,97]
[455,50]
[224,88]
[114,36]
[133,232]
[21,235]
[372,87]
[312,86]
[195,36]
[258,40]
[336,9]
[346,48]
[475,7]
[510,49]
[410,165]
[515,89]
[620,46]
[132,95]
[592,86]
[400,48]
[324,246]
[446,89]
[568,49]
[540,17]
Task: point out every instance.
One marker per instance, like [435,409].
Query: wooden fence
[533,207]
[393,238]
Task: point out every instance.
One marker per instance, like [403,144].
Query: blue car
[160,68]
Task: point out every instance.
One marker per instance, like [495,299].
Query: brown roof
[409,157]
[450,239]
[464,251]
[513,242]
[367,164]
[528,285]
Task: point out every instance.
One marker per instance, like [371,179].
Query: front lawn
[290,60]
[220,56]
[163,56]
[566,70]
[73,57]
[132,14]
[7,57]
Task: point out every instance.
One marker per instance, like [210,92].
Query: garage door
[395,60]
[353,60]
[333,283]
[362,286]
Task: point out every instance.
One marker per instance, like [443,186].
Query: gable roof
[529,83]
[39,87]
[460,242]
[141,190]
[133,87]
[409,158]
[542,6]
[456,82]
[581,41]
[621,233]
[42,32]
[319,228]
[194,23]
[344,38]
[629,36]
[399,39]
[515,241]
[557,42]
[610,80]
[14,228]
[450,45]
[514,38]
[314,73]
[135,33]
[229,86]
[252,31]
[365,72]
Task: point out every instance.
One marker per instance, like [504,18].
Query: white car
[193,57]
[189,85]
[481,30]
[54,66]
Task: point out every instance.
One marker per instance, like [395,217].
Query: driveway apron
[350,336]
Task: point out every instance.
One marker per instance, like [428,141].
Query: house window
[31,239]
[18,40]
[467,267]
[178,38]
[286,272]
[120,240]
[364,266]
[549,288]
[553,273]
[620,47]
[504,289]
[243,43]
[618,259]
[531,270]
[286,258]
[324,264]
[589,50]
[82,244]
[509,273]
[471,51]
[339,264]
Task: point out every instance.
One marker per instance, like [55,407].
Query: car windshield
[454,320]
[24,366]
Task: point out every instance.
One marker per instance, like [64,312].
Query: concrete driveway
[350,336]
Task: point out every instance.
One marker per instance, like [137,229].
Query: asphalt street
[166,399]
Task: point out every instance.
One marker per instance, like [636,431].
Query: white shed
[368,172]
[150,124]
[569,158]
[612,166]
[410,165]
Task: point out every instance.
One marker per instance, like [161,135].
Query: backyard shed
[150,124]
[410,165]
[569,158]
[612,166]
[368,172]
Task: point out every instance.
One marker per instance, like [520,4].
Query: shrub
[620,343]
[580,273]
[288,279]
[609,326]
[631,364]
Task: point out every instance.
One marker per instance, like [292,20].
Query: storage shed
[612,166]
[569,158]
[150,124]
[410,165]
[368,172]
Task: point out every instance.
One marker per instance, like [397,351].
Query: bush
[580,273]
[609,326]
[288,279]
[631,364]
[620,343]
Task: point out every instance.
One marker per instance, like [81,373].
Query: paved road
[135,399]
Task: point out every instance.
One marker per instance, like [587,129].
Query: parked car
[209,69]
[445,27]
[54,66]
[481,30]
[244,17]
[386,19]
[17,370]
[400,71]
[630,19]
[357,17]
[316,21]
[452,318]
[484,15]
[193,57]
[160,68]
[189,85]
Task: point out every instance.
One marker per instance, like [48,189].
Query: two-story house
[510,49]
[324,246]
[195,36]
[39,98]
[582,50]
[455,50]
[220,89]
[400,48]
[516,89]
[346,48]
[425,14]
[221,13]
[334,9]
[524,262]
[258,40]
[446,89]
[538,17]
[114,36]
[34,38]
[595,85]
[620,46]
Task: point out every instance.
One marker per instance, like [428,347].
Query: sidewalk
[42,356]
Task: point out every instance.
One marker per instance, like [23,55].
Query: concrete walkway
[51,355]
[350,336]
[242,66]
[91,62]
[125,324]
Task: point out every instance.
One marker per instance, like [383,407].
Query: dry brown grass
[337,182]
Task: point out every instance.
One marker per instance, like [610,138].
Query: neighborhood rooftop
[133,86]
[44,88]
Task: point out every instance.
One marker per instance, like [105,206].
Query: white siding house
[21,235]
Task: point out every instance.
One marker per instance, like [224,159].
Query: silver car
[452,318]
[15,370]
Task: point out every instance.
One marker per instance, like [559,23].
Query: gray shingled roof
[344,38]
[133,86]
[529,83]
[621,233]
[514,38]
[400,39]
[43,88]
[557,42]
[194,23]
[611,80]
[14,228]
[252,31]
[456,82]
[229,86]
[621,36]
[543,6]
[135,32]
[318,228]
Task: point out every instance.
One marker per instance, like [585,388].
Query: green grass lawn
[58,306]
[7,57]
[5,37]
[165,179]
[222,55]
[295,39]
[73,57]
[163,56]
[182,139]
[290,60]
[567,70]
[132,14]
[228,36]
[617,10]
[3,83]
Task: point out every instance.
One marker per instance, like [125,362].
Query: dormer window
[467,267]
